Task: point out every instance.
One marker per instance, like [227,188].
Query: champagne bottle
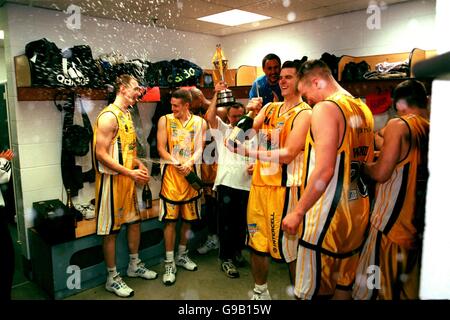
[69,203]
[194,180]
[244,124]
[147,197]
[76,214]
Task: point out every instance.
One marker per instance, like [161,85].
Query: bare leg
[169,235]
[109,250]
[185,228]
[260,268]
[134,237]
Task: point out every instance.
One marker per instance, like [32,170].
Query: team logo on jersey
[252,228]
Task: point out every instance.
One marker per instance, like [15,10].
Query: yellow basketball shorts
[267,206]
[114,212]
[319,274]
[386,271]
[170,211]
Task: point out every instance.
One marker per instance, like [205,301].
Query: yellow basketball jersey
[395,211]
[337,221]
[273,135]
[116,193]
[181,145]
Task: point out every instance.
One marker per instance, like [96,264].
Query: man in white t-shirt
[233,181]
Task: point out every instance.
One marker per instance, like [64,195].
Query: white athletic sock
[134,259]
[181,250]
[169,256]
[112,272]
[261,288]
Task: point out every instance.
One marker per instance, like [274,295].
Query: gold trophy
[224,97]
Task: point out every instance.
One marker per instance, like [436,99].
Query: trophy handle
[219,60]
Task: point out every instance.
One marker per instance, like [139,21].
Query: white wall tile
[37,131]
[44,110]
[38,155]
[103,35]
[41,177]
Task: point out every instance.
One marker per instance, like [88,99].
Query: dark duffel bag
[82,58]
[45,63]
[185,73]
[136,68]
[74,67]
[333,63]
[160,74]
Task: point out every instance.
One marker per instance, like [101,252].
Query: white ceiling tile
[181,14]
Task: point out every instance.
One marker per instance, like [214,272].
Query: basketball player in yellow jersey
[181,137]
[275,189]
[388,266]
[116,175]
[334,205]
[199,106]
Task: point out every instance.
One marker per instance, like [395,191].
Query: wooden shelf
[89,227]
[48,94]
[362,88]
[357,88]
[25,92]
[412,57]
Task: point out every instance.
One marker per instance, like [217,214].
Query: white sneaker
[230,269]
[169,275]
[119,287]
[211,243]
[141,271]
[185,262]
[89,212]
[261,295]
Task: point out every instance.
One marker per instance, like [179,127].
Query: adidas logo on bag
[72,76]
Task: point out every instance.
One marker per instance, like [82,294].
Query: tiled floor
[207,283]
